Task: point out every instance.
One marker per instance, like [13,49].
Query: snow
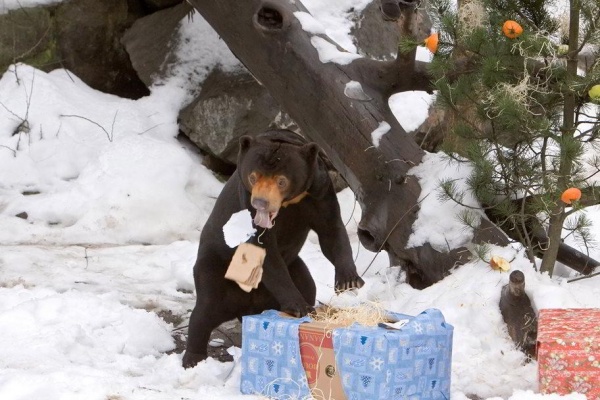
[378,133]
[336,17]
[328,52]
[238,229]
[7,5]
[436,210]
[115,204]
[198,52]
[414,115]
[354,90]
[309,23]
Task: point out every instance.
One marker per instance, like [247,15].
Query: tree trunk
[269,40]
[558,215]
[518,314]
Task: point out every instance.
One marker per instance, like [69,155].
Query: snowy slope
[114,205]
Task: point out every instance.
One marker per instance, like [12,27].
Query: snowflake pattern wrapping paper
[373,363]
[568,351]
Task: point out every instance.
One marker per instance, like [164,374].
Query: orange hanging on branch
[432,42]
[512,29]
[570,195]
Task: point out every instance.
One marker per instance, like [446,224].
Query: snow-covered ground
[101,208]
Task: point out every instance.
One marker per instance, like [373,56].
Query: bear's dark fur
[282,180]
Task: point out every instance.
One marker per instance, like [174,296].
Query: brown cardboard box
[318,360]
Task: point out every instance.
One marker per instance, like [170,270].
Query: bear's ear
[245,143]
[319,175]
[311,152]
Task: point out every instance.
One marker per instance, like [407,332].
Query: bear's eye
[252,178]
[282,182]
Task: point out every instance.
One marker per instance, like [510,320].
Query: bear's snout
[260,203]
[266,211]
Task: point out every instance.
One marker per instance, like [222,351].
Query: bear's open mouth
[264,218]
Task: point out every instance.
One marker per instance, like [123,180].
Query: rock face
[88,37]
[27,35]
[149,41]
[82,36]
[229,105]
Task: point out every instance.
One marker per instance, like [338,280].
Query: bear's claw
[297,310]
[355,282]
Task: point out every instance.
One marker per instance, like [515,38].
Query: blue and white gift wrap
[412,362]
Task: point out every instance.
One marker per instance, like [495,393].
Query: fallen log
[269,39]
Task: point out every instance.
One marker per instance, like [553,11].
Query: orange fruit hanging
[432,42]
[570,195]
[512,29]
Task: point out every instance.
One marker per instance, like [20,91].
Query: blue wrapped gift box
[411,362]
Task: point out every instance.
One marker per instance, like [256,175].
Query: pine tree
[522,112]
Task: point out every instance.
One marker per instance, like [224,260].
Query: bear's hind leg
[205,317]
[212,304]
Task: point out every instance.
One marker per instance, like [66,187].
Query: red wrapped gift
[568,351]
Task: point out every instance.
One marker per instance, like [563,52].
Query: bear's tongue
[264,219]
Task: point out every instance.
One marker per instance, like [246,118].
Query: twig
[583,277]
[8,148]
[108,135]
[352,213]
[12,113]
[180,328]
[26,53]
[149,129]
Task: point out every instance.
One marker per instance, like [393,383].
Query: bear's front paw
[349,281]
[297,310]
[191,359]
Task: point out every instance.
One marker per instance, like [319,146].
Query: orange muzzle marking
[266,188]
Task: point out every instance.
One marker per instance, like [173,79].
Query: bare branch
[109,135]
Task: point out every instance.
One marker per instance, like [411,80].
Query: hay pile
[367,314]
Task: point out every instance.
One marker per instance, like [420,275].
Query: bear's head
[277,174]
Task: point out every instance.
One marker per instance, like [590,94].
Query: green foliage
[520,110]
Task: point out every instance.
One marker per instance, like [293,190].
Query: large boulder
[230,102]
[28,35]
[229,105]
[150,42]
[82,36]
[88,39]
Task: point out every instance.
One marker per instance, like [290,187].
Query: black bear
[283,181]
